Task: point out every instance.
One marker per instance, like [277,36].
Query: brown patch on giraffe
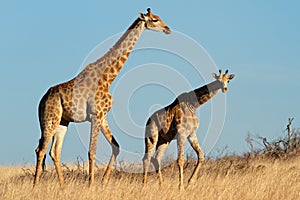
[112,71]
[123,59]
[105,77]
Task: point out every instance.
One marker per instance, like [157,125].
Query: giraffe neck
[203,94]
[108,66]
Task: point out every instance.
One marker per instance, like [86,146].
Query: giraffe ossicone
[179,121]
[86,98]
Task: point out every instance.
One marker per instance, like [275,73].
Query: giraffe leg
[160,151]
[50,104]
[55,151]
[180,146]
[194,143]
[115,149]
[40,153]
[95,128]
[151,137]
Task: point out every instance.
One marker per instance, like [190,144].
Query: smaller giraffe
[179,121]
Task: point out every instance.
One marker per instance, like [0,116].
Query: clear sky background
[45,43]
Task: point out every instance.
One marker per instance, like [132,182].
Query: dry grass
[225,178]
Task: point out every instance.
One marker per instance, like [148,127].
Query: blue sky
[45,43]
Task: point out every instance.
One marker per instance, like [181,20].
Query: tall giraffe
[86,98]
[179,121]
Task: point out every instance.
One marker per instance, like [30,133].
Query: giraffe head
[224,79]
[153,22]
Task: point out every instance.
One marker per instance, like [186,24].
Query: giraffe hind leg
[115,149]
[55,151]
[44,159]
[40,153]
[194,143]
[180,161]
[161,149]
[48,125]
[151,137]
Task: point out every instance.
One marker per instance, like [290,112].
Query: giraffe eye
[154,20]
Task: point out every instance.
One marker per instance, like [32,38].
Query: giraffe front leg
[55,151]
[115,150]
[194,143]
[95,128]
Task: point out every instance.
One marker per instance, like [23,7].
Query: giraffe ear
[231,76]
[141,16]
[215,75]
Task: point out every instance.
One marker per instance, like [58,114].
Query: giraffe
[179,121]
[86,98]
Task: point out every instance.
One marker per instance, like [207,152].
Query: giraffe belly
[169,135]
[75,113]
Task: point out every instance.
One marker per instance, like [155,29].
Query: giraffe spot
[112,70]
[105,88]
[57,111]
[123,59]
[100,115]
[105,77]
[86,92]
[119,66]
[81,101]
[92,74]
[95,79]
[97,93]
[114,54]
[114,62]
[88,81]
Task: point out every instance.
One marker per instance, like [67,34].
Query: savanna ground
[269,173]
[225,178]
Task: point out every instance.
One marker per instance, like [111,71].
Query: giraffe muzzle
[167,30]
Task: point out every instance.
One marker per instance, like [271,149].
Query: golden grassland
[230,177]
